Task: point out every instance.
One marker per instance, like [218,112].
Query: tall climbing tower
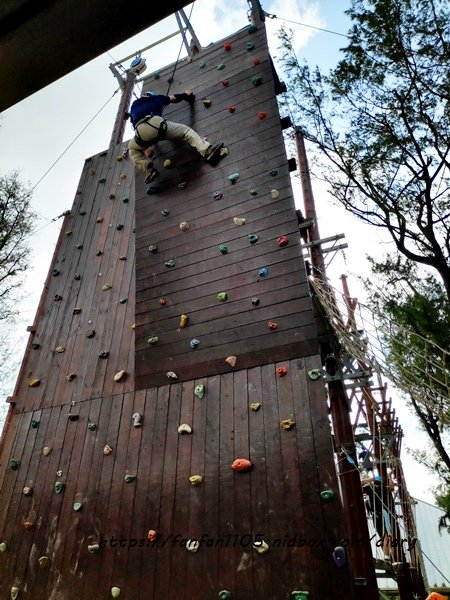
[168,436]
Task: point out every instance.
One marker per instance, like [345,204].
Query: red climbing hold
[227,46]
[283,240]
[262,115]
[272,325]
[241,464]
[162,301]
[225,82]
[256,61]
[281,371]
[231,108]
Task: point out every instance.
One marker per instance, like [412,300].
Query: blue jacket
[148,105]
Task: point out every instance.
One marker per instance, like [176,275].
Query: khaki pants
[175,131]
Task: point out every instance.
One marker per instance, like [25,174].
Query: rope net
[414,364]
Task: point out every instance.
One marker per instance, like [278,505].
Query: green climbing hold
[202,65]
[170,263]
[273,173]
[119,226]
[251,28]
[34,424]
[222,297]
[223,249]
[165,212]
[250,45]
[315,374]
[59,487]
[253,238]
[125,200]
[233,177]
[220,67]
[256,80]
[90,333]
[199,390]
[92,426]
[98,253]
[153,340]
[123,301]
[14,464]
[103,180]
[327,495]
[296,595]
[129,478]
[156,75]
[224,595]
[77,506]
[3,547]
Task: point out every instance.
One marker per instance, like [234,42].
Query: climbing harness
[161,129]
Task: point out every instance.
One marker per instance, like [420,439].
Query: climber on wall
[150,127]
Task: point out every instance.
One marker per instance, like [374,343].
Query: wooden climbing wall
[112,500]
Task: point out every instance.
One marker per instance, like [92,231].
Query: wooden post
[119,124]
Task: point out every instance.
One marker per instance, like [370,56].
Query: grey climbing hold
[55,272]
[73,417]
[137,420]
[255,301]
[103,354]
[71,376]
[253,238]
[92,426]
[184,226]
[77,506]
[263,272]
[125,200]
[165,212]
[170,263]
[171,375]
[35,346]
[182,185]
[194,343]
[102,180]
[217,195]
[77,277]
[223,249]
[153,249]
[253,193]
[98,253]
[79,246]
[233,177]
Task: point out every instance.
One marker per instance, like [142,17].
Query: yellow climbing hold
[34,382]
[59,349]
[43,560]
[99,220]
[195,479]
[240,220]
[14,593]
[120,375]
[46,450]
[183,321]
[115,592]
[106,287]
[287,424]
[255,406]
[167,163]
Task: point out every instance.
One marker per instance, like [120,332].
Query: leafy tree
[16,224]
[382,120]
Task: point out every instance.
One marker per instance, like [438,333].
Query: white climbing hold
[184,428]
[274,193]
[107,450]
[115,592]
[120,375]
[14,593]
[171,375]
[46,450]
[260,546]
[231,360]
[192,545]
[240,220]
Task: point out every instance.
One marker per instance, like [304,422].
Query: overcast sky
[52,126]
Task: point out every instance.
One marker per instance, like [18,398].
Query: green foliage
[16,224]
[381,119]
[443,500]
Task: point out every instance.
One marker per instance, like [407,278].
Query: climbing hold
[272,325]
[233,177]
[220,67]
[194,343]
[207,102]
[239,220]
[260,546]
[182,185]
[315,374]
[165,212]
[224,595]
[192,545]
[107,450]
[171,375]
[152,535]
[170,80]
[103,354]
[92,426]
[77,277]
[262,115]
[28,525]
[167,163]
[256,61]
[91,171]
[34,383]
[231,360]
[77,506]
[76,311]
[46,450]
[71,377]
[170,263]
[225,82]
[27,491]
[42,561]
[153,340]
[3,547]
[150,191]
[14,464]
[227,46]
[14,593]
[55,272]
[129,478]
[119,226]
[137,420]
[263,272]
[287,424]
[120,375]
[59,349]
[282,241]
[93,548]
[250,45]
[251,28]
[327,495]
[35,346]
[253,238]
[106,287]
[222,297]
[58,298]
[184,226]
[339,556]
[156,75]
[202,65]
[102,180]
[273,173]
[123,301]
[217,195]
[255,301]
[68,233]
[296,595]
[199,390]
[275,194]
[125,200]
[73,417]
[183,428]
[241,464]
[231,108]
[256,80]
[122,258]
[223,249]
[115,591]
[82,212]
[253,192]
[195,480]
[90,333]
[281,371]
[153,249]
[255,406]
[34,424]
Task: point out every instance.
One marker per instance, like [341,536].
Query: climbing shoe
[152,174]
[213,156]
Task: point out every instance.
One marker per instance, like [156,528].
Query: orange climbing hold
[231,108]
[272,325]
[241,464]
[152,535]
[282,371]
[256,60]
[162,302]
